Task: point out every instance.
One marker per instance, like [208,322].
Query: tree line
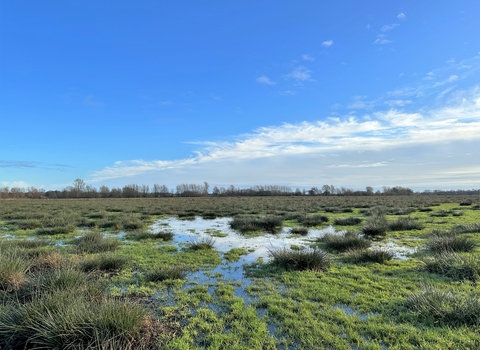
[80,189]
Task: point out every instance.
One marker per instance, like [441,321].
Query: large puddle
[225,238]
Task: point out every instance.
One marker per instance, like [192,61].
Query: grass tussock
[313,220]
[299,260]
[206,243]
[445,308]
[455,266]
[344,242]
[439,242]
[58,230]
[13,269]
[108,262]
[302,231]
[68,320]
[471,228]
[376,226]
[348,221]
[380,256]
[141,235]
[405,223]
[271,224]
[94,242]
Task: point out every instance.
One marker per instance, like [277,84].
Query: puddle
[193,230]
[401,252]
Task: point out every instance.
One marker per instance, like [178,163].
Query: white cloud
[308,58]
[388,27]
[265,80]
[327,43]
[402,16]
[300,74]
[448,80]
[360,103]
[409,147]
[398,103]
[12,184]
[381,40]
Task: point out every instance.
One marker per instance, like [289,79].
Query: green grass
[162,273]
[234,254]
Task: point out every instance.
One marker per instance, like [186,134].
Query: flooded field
[317,276]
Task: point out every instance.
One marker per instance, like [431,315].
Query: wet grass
[364,304]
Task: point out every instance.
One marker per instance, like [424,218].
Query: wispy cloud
[300,74]
[32,164]
[308,58]
[360,103]
[327,43]
[402,16]
[265,80]
[388,27]
[382,40]
[292,153]
[398,103]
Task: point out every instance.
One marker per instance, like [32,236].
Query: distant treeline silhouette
[80,189]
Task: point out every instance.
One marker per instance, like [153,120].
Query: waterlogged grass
[136,290]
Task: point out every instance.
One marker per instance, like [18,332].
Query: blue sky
[298,93]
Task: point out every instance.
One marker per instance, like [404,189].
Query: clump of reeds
[104,262]
[206,243]
[405,223]
[302,231]
[469,228]
[442,307]
[209,216]
[439,242]
[94,242]
[306,259]
[348,221]
[380,256]
[346,241]
[245,224]
[313,220]
[376,226]
[140,235]
[58,230]
[13,269]
[453,265]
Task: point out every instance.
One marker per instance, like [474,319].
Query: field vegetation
[101,274]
